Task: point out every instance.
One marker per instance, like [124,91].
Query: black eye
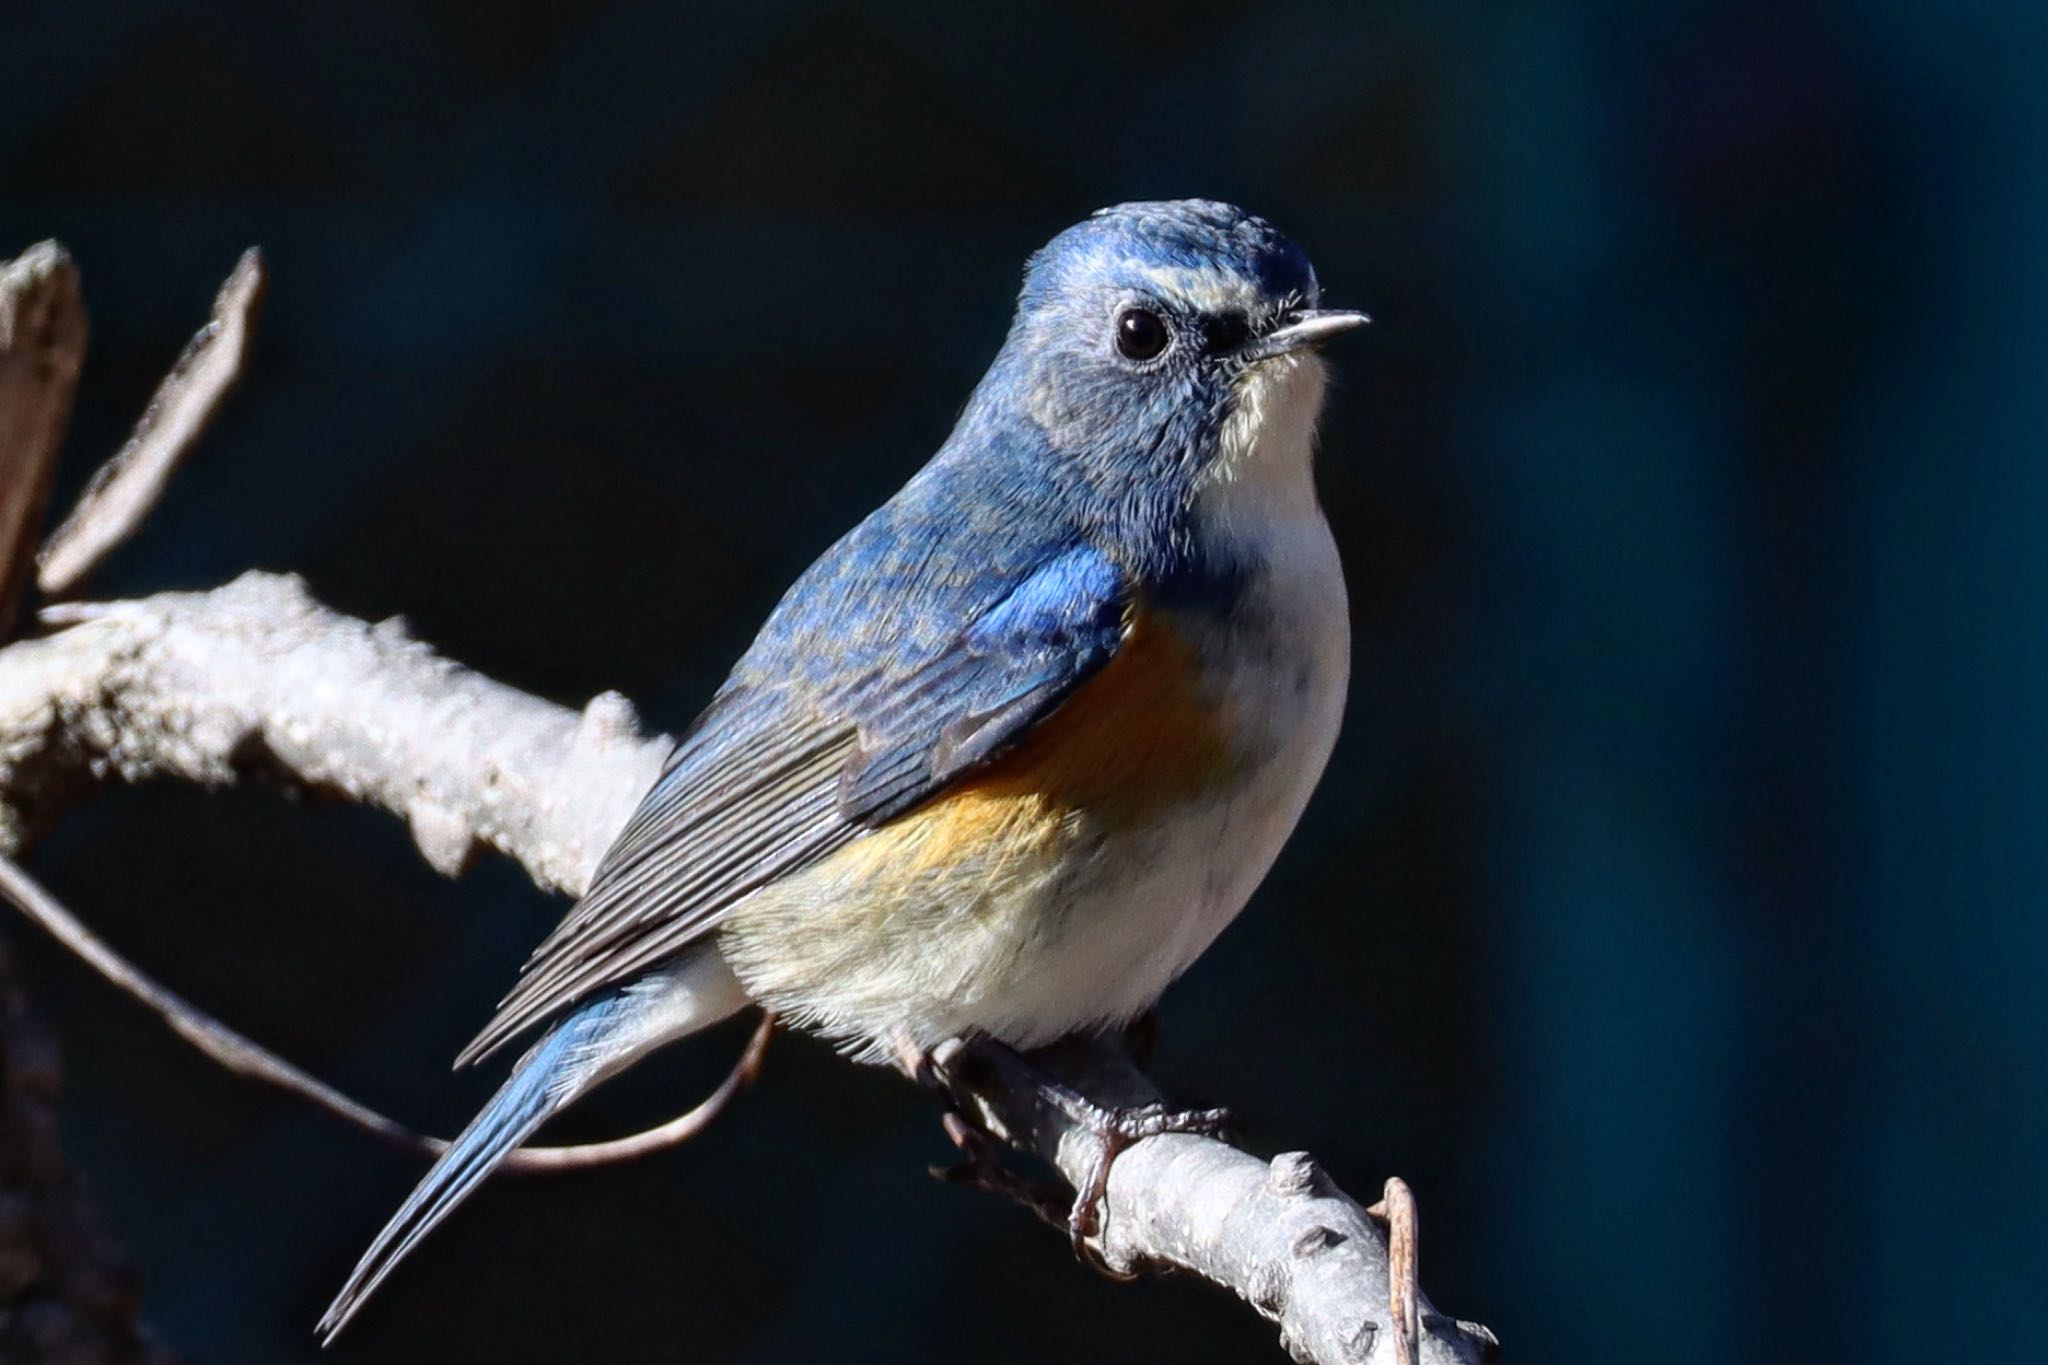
[1140,334]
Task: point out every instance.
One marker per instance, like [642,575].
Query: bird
[1012,752]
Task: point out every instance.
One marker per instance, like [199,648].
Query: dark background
[1671,916]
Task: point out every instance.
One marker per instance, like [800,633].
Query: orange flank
[1137,737]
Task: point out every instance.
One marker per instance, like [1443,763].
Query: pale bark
[256,680]
[42,347]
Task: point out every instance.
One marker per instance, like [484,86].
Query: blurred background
[1671,916]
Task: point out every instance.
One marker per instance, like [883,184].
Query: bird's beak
[1307,329]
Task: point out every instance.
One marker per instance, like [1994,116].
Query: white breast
[1285,695]
[1092,927]
[1279,672]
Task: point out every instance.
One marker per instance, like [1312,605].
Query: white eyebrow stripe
[1203,291]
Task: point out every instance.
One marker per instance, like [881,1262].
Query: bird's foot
[981,1167]
[1115,1129]
[915,1062]
[1115,1132]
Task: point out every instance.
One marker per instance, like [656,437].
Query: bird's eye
[1140,334]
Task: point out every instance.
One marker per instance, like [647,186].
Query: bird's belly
[1068,886]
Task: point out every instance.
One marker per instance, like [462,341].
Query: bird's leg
[1115,1132]
[981,1165]
[1115,1129]
[914,1062]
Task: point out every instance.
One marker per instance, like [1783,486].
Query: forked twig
[125,489]
[252,1060]
[256,676]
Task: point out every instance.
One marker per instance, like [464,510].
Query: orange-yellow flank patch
[1137,737]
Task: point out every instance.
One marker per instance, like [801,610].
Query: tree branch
[257,679]
[241,1056]
[126,488]
[66,1292]
[42,349]
[1279,1234]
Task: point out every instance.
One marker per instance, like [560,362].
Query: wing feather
[757,815]
[778,774]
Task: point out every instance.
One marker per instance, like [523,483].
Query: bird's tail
[597,1041]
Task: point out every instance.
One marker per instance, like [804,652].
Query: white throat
[1265,467]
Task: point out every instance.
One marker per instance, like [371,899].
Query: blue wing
[905,659]
[984,691]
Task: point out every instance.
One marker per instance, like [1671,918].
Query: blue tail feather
[558,1069]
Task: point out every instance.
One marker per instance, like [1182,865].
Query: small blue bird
[1011,754]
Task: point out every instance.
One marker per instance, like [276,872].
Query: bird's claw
[1115,1132]
[981,1167]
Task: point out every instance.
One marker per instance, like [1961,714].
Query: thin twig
[257,679]
[674,1133]
[251,1060]
[256,676]
[1404,1257]
[126,488]
[42,349]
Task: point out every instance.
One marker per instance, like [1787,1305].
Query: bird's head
[1159,345]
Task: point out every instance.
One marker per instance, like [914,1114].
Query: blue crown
[1188,234]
